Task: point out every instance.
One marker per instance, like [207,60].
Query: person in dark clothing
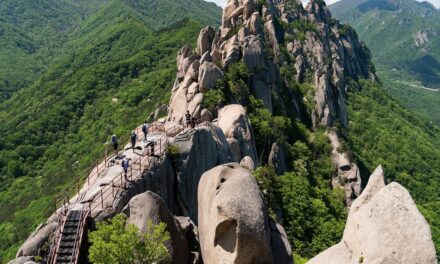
[125,165]
[145,130]
[114,141]
[188,118]
[152,149]
[133,138]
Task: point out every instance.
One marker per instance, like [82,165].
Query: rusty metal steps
[69,235]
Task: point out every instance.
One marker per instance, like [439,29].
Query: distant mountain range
[404,37]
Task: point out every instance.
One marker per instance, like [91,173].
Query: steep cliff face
[268,38]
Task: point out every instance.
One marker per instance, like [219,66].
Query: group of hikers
[133,138]
[190,122]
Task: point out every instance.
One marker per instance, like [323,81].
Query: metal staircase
[69,238]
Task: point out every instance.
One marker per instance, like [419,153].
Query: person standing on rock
[145,130]
[114,141]
[133,139]
[188,119]
[125,164]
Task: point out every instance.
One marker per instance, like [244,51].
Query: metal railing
[58,234]
[79,236]
[101,166]
[112,188]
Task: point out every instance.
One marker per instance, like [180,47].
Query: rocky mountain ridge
[325,51]
[208,184]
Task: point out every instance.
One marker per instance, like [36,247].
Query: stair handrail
[93,170]
[58,234]
[79,235]
[64,196]
[101,196]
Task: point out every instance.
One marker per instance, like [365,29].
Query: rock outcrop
[233,222]
[277,159]
[35,242]
[281,251]
[385,227]
[347,174]
[23,260]
[235,124]
[160,179]
[264,37]
[199,150]
[150,207]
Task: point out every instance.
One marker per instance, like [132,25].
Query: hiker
[125,164]
[114,141]
[193,122]
[145,130]
[188,119]
[133,139]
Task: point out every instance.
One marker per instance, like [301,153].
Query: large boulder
[277,159]
[281,251]
[35,242]
[227,12]
[235,124]
[150,207]
[185,58]
[23,260]
[200,150]
[159,178]
[178,105]
[384,227]
[209,74]
[347,175]
[204,42]
[233,222]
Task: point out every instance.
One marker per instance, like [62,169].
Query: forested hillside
[404,39]
[32,33]
[110,74]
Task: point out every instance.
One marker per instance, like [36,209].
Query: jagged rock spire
[266,37]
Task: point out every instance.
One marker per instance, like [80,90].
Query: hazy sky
[222,3]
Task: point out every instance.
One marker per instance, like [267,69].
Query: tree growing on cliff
[115,242]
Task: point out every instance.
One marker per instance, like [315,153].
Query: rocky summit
[264,38]
[197,172]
